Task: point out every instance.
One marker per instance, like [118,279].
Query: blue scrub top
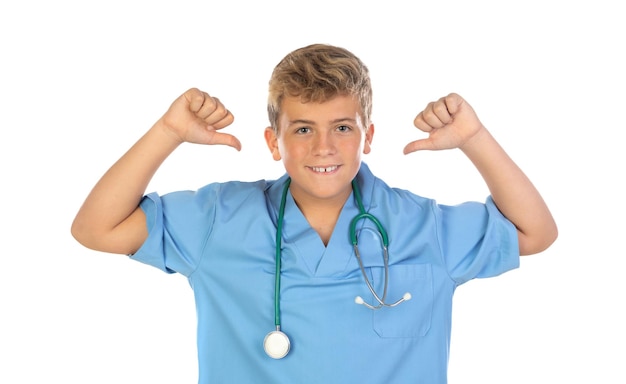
[222,238]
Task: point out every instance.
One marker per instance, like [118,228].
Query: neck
[321,214]
[322,221]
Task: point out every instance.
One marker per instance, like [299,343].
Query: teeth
[325,169]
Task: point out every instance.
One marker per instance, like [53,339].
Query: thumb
[419,145]
[226,139]
[215,137]
[207,134]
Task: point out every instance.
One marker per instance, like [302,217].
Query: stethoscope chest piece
[276,344]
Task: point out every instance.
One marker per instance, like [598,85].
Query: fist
[450,122]
[197,117]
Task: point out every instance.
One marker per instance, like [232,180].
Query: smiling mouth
[325,169]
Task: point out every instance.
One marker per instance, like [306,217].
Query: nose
[324,144]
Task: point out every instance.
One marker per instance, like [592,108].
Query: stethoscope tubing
[279,238]
[277,343]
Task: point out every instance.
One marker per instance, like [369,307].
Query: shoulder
[384,194]
[234,192]
[228,192]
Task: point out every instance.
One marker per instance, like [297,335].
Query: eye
[303,130]
[344,128]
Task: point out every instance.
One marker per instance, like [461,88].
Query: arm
[110,219]
[452,123]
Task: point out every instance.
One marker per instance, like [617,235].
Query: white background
[80,82]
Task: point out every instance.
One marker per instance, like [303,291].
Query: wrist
[161,132]
[478,143]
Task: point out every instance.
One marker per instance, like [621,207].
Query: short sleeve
[178,226]
[477,240]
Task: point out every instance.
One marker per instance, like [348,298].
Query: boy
[292,256]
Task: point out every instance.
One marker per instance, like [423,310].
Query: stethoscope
[276,343]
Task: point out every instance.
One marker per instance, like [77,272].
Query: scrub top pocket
[411,318]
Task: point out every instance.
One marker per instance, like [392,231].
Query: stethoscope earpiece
[359,300]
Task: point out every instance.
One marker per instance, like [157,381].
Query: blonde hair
[317,73]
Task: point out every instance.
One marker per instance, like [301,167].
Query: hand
[196,117]
[450,123]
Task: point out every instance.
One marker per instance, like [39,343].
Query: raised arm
[110,219]
[452,123]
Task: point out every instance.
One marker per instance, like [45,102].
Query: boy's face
[320,145]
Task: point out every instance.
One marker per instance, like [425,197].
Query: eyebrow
[311,122]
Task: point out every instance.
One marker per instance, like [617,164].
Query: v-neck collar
[303,249]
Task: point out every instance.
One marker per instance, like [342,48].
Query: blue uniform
[222,238]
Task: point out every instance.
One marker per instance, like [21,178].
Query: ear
[272,143]
[369,135]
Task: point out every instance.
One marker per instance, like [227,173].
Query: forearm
[514,194]
[108,220]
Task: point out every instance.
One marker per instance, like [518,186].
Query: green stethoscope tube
[353,237]
[279,238]
[276,343]
[364,215]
